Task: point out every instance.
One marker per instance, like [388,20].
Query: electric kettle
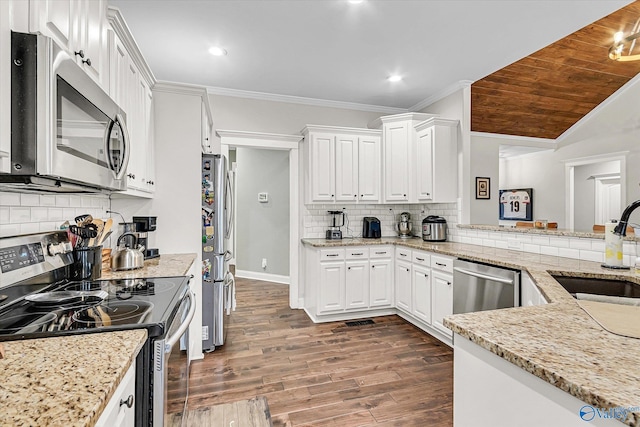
[125,257]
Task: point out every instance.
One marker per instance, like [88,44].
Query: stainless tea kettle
[126,258]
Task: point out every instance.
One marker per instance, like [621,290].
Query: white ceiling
[337,51]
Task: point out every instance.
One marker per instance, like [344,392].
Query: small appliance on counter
[145,224]
[371,228]
[434,229]
[403,227]
[337,221]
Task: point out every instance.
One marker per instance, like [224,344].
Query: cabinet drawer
[331,254]
[442,263]
[421,258]
[357,253]
[380,252]
[403,253]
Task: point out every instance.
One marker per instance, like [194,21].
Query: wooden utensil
[104,317]
[99,226]
[105,231]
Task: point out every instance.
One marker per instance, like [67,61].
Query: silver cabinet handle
[441,265]
[483,276]
[403,254]
[422,259]
[332,255]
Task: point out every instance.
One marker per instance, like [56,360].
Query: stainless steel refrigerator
[218,285]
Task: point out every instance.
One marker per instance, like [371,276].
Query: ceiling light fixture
[217,51]
[623,47]
[394,78]
[355,1]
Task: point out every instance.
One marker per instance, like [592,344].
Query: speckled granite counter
[163,266]
[64,381]
[548,232]
[557,342]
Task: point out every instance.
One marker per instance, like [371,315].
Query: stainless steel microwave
[67,134]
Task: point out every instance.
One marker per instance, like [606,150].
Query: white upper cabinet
[5,87]
[437,160]
[420,160]
[341,164]
[79,27]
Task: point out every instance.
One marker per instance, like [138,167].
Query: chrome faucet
[621,228]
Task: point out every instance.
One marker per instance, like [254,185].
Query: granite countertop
[547,231]
[164,266]
[64,381]
[557,342]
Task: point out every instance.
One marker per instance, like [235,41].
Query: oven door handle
[170,342]
[483,276]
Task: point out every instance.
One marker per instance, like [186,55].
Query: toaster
[371,228]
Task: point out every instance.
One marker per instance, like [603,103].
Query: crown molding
[120,27]
[180,88]
[263,96]
[521,140]
[462,84]
[339,129]
[419,117]
[436,121]
[258,139]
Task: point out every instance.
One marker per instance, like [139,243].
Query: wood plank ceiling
[545,93]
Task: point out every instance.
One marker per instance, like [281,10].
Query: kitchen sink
[608,287]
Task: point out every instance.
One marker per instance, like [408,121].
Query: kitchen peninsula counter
[557,342]
[163,266]
[65,380]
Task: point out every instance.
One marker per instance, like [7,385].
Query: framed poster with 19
[516,204]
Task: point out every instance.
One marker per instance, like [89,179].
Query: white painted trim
[462,84]
[180,88]
[259,140]
[266,277]
[569,167]
[420,117]
[120,27]
[604,104]
[283,142]
[525,140]
[302,100]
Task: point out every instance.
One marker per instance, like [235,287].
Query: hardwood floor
[386,374]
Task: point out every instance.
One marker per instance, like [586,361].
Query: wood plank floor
[386,374]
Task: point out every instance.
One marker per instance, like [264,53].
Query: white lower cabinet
[357,284]
[381,283]
[332,285]
[403,285]
[120,410]
[529,292]
[421,286]
[442,293]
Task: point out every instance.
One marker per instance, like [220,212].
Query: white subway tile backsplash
[47,200]
[591,256]
[583,244]
[28,228]
[49,226]
[4,215]
[559,242]
[55,214]
[9,199]
[29,200]
[476,241]
[540,240]
[69,214]
[597,245]
[489,243]
[18,215]
[63,201]
[531,248]
[569,253]
[39,214]
[75,201]
[549,250]
[465,239]
[86,202]
[502,244]
[9,230]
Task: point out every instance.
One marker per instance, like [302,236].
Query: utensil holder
[87,263]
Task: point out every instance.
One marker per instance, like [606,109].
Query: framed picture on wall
[483,187]
[516,204]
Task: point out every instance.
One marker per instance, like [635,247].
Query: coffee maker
[144,225]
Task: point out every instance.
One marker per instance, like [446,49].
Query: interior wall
[254,115]
[485,162]
[263,228]
[584,192]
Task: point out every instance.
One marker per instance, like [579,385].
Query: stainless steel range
[37,299]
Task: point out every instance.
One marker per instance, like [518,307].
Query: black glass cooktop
[90,306]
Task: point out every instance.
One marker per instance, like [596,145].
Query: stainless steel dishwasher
[479,287]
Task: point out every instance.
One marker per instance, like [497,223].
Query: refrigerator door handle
[230,293]
[229,209]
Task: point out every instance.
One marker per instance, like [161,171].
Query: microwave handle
[125,143]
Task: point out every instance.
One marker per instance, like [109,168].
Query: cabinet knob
[373,266]
[332,196]
[87,61]
[404,195]
[362,195]
[426,275]
[348,268]
[449,283]
[80,53]
[407,270]
[128,401]
[132,176]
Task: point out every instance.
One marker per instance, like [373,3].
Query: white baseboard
[267,277]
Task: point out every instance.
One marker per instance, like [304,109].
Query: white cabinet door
[442,299]
[529,292]
[369,168]
[381,289]
[117,413]
[55,19]
[322,165]
[357,284]
[90,37]
[397,151]
[422,293]
[331,286]
[135,169]
[5,87]
[403,285]
[118,73]
[149,152]
[424,168]
[346,169]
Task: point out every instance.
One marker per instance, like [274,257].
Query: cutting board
[616,318]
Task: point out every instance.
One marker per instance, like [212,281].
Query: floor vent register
[360,322]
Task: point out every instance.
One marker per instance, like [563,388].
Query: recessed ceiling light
[355,1]
[217,51]
[395,78]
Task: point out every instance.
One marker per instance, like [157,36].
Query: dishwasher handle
[484,276]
